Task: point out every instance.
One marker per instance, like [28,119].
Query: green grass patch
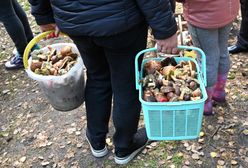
[177,159]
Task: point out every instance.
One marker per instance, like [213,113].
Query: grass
[177,159]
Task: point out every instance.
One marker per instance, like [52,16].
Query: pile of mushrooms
[169,81]
[53,62]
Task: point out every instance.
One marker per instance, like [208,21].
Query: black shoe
[140,141]
[234,49]
[97,149]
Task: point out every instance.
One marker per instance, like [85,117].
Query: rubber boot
[208,106]
[219,94]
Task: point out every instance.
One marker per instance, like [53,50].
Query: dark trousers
[110,72]
[173,5]
[16,23]
[243,34]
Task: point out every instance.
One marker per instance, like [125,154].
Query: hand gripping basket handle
[201,54]
[30,45]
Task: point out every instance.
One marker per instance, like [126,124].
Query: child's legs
[208,41]
[224,64]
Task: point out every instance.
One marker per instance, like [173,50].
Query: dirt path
[33,134]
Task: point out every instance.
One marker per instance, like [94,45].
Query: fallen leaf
[71,130]
[231,143]
[24,132]
[144,151]
[187,163]
[201,140]
[154,144]
[16,164]
[220,120]
[245,132]
[221,162]
[186,144]
[78,132]
[234,162]
[180,154]
[23,159]
[45,163]
[70,155]
[245,123]
[202,134]
[213,154]
[169,157]
[79,145]
[51,156]
[5,91]
[73,124]
[108,141]
[161,162]
[195,156]
[4,134]
[49,143]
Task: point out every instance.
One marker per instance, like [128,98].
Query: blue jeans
[214,43]
[111,73]
[16,23]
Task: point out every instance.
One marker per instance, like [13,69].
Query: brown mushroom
[197,93]
[167,89]
[167,70]
[65,51]
[152,66]
[35,64]
[148,96]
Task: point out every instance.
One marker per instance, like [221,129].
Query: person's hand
[168,46]
[48,27]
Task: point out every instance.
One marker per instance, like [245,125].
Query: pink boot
[219,94]
[208,106]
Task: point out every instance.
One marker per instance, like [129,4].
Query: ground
[33,134]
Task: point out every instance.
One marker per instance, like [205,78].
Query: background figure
[209,28]
[242,42]
[16,24]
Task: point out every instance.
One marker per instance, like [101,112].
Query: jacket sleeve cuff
[42,20]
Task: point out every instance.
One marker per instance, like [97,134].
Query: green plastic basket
[173,120]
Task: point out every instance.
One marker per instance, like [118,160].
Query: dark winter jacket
[105,17]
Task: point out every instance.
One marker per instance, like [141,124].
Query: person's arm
[159,16]
[161,19]
[42,11]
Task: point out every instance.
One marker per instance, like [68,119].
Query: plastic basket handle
[30,45]
[201,53]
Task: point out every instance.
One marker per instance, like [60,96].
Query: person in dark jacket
[242,42]
[16,24]
[109,34]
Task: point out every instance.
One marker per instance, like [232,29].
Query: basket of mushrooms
[59,70]
[172,94]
